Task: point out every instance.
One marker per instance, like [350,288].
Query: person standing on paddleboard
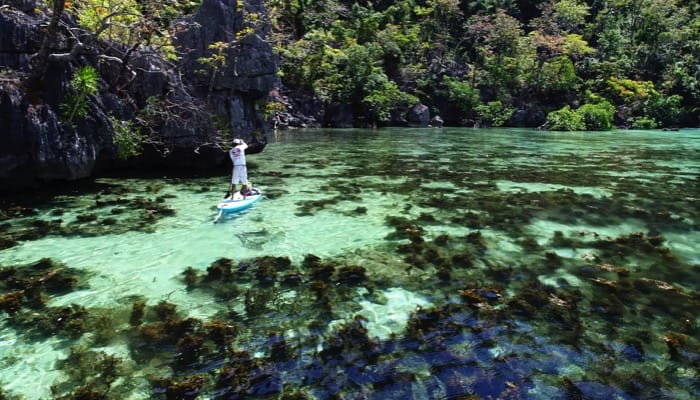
[240,171]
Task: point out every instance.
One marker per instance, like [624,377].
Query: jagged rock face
[528,116]
[250,71]
[418,116]
[37,146]
[18,35]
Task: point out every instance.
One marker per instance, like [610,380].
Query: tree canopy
[640,57]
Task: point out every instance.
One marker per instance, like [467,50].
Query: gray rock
[436,122]
[418,116]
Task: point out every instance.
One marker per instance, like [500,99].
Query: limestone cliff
[174,101]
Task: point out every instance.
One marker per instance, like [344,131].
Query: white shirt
[238,154]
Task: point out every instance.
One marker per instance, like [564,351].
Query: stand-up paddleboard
[229,205]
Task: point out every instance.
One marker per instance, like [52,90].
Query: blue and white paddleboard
[229,205]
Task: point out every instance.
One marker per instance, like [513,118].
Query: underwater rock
[310,261]
[188,388]
[559,240]
[165,310]
[7,272]
[608,305]
[479,296]
[11,302]
[280,349]
[83,218]
[441,240]
[639,384]
[416,260]
[70,321]
[404,229]
[476,238]
[6,243]
[432,326]
[530,244]
[93,374]
[322,291]
[137,313]
[463,259]
[647,285]
[294,395]
[109,221]
[675,342]
[87,392]
[633,244]
[532,299]
[320,271]
[352,275]
[191,278]
[243,375]
[155,334]
[552,259]
[190,349]
[360,210]
[267,268]
[256,301]
[292,279]
[620,271]
[151,336]
[444,273]
[221,333]
[414,248]
[469,220]
[350,342]
[266,274]
[220,270]
[44,274]
[612,285]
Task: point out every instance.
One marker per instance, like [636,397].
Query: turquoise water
[393,263]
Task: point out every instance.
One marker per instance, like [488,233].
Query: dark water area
[381,264]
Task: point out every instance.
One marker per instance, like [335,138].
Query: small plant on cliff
[214,63]
[84,83]
[271,108]
[128,138]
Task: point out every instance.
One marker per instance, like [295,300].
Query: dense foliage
[478,61]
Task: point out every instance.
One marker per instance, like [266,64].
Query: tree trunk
[40,61]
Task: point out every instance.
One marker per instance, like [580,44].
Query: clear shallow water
[502,263]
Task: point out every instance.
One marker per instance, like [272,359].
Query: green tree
[385,98]
[495,35]
[83,84]
[214,63]
[565,119]
[512,51]
[558,74]
[667,111]
[128,138]
[493,113]
[598,116]
[496,41]
[461,95]
[134,24]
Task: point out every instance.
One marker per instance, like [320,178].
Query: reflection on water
[397,263]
